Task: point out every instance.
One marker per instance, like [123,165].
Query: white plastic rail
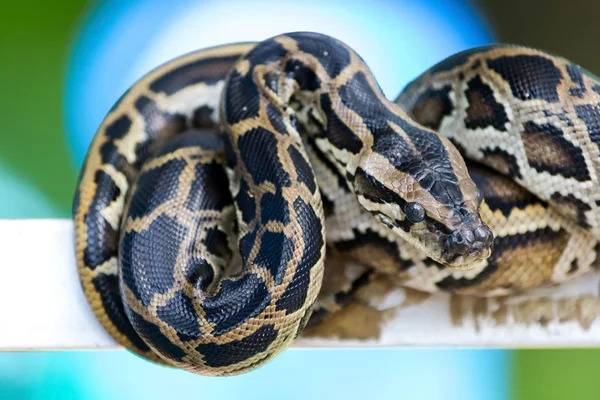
[42,307]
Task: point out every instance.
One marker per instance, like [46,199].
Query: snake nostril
[484,234]
[469,236]
[466,241]
[458,238]
[457,243]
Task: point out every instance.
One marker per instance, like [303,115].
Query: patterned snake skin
[268,156]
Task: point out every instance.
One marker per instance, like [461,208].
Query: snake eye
[414,212]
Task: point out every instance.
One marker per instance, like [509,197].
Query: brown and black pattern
[432,106]
[518,263]
[483,109]
[548,150]
[520,259]
[173,252]
[163,195]
[543,120]
[135,127]
[502,161]
[529,76]
[534,245]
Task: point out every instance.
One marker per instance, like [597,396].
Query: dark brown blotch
[548,150]
[483,109]
[432,106]
[502,161]
[208,70]
[572,207]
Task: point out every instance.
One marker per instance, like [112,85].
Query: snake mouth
[459,249]
[465,261]
[463,248]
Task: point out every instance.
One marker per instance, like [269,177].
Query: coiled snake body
[312,155]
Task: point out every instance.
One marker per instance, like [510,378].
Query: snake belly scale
[274,152]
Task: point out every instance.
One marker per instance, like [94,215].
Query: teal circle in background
[121,41]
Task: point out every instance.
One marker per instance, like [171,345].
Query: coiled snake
[312,155]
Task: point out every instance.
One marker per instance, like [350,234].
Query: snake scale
[268,155]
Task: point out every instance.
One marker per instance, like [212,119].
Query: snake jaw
[464,247]
[466,260]
[458,250]
[457,239]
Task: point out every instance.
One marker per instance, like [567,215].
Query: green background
[35,41]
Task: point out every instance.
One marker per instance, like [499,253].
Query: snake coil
[274,152]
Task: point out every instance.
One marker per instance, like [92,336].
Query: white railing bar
[42,307]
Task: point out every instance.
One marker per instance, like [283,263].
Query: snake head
[427,198]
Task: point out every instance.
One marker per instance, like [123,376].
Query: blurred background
[64,63]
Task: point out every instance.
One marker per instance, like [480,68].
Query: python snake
[271,153]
